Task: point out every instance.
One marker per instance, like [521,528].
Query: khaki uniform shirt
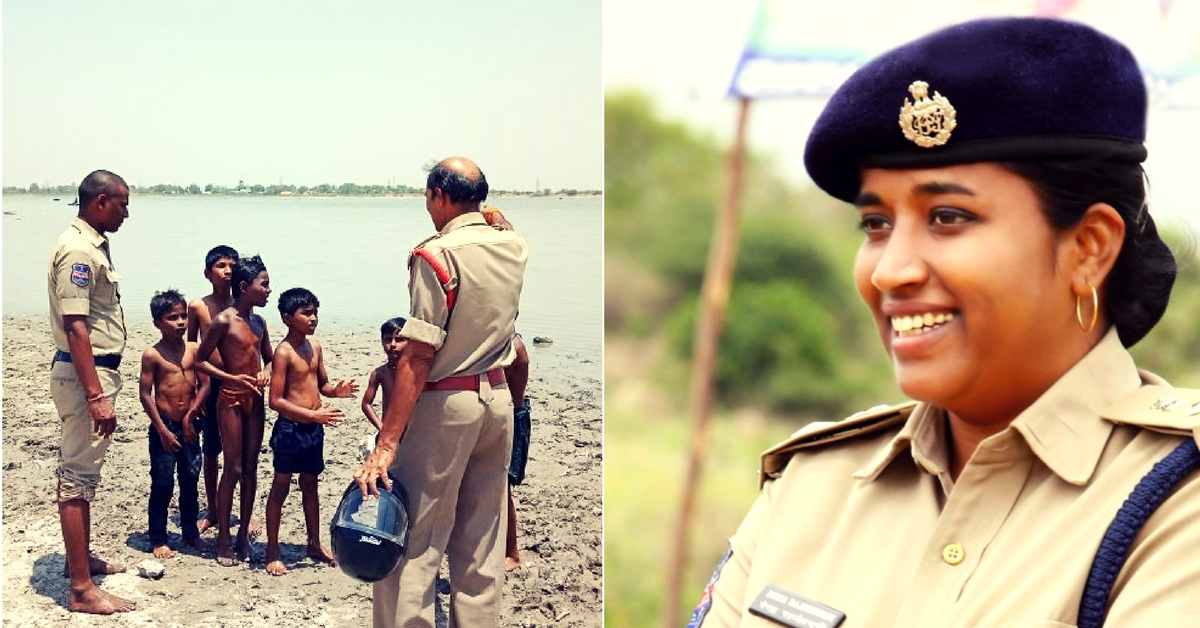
[82,281]
[864,516]
[488,267]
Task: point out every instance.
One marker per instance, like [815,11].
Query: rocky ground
[559,507]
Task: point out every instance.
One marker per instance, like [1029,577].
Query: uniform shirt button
[953,554]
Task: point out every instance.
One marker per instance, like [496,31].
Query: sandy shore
[559,507]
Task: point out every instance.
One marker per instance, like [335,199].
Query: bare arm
[145,388]
[268,356]
[517,373]
[194,320]
[104,417]
[216,332]
[202,390]
[416,358]
[341,389]
[369,398]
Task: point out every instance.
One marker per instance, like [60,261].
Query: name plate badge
[792,609]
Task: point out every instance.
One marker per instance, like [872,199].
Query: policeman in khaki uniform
[448,430]
[89,335]
[1000,498]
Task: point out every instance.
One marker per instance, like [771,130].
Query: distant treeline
[324,189]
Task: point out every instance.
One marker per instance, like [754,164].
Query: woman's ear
[1095,242]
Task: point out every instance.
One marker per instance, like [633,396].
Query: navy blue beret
[988,90]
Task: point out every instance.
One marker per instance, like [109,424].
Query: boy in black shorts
[298,380]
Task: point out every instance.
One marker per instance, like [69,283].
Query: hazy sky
[303,92]
[685,60]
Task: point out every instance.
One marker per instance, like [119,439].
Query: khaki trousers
[452,461]
[82,452]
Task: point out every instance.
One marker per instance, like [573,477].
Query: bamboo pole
[714,297]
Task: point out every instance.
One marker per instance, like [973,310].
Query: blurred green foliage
[794,332]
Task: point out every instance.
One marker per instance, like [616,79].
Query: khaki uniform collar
[1063,427]
[91,235]
[463,220]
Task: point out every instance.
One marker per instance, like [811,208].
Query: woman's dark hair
[1139,286]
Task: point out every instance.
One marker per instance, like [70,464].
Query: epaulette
[1159,408]
[813,435]
[413,253]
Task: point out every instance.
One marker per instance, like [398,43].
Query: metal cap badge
[928,121]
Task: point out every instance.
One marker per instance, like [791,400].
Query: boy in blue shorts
[298,380]
[218,270]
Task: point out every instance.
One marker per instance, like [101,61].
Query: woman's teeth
[919,323]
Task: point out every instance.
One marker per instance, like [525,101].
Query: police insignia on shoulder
[792,609]
[81,275]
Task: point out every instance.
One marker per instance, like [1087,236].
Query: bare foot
[198,544]
[245,548]
[225,556]
[204,523]
[255,529]
[512,564]
[276,568]
[97,567]
[163,551]
[97,601]
[321,553]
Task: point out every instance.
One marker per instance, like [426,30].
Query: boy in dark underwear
[298,380]
[245,348]
[218,270]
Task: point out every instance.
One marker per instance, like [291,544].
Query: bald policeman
[89,335]
[447,432]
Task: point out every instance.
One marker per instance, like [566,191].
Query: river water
[350,251]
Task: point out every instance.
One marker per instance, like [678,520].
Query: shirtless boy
[172,393]
[245,348]
[218,270]
[384,375]
[298,380]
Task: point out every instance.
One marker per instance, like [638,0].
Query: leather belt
[111,361]
[495,377]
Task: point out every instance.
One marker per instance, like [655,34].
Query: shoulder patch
[814,435]
[81,275]
[1159,408]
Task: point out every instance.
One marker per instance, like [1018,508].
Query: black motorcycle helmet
[370,535]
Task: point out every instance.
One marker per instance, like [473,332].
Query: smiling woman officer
[1009,260]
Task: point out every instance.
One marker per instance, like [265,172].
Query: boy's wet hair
[391,326]
[293,299]
[246,269]
[165,301]
[218,253]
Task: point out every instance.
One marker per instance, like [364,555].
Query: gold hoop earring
[1095,310]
